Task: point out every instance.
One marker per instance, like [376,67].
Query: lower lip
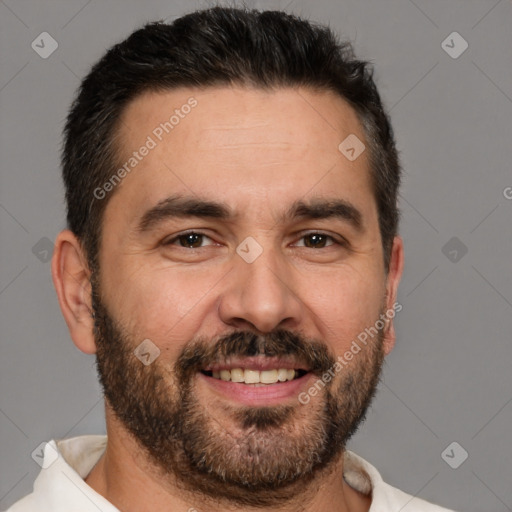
[268,394]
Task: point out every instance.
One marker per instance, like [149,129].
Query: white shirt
[66,463]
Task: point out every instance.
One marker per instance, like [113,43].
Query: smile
[257,380]
[256,377]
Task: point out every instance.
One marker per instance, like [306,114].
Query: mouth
[256,380]
[256,377]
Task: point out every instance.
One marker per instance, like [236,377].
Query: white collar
[67,462]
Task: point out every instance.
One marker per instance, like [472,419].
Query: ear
[396,266]
[71,278]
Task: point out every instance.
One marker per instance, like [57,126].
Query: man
[232,259]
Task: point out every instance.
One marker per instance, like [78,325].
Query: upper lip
[260,363]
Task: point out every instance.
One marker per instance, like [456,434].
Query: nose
[260,295]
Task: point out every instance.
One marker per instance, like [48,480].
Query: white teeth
[268,376]
[251,376]
[255,376]
[237,375]
[282,374]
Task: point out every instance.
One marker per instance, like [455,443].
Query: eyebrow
[183,207]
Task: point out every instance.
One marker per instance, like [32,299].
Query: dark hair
[217,46]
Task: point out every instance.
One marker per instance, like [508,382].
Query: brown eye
[316,240]
[191,240]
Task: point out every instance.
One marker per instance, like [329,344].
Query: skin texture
[257,152]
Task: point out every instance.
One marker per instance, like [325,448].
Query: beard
[248,456]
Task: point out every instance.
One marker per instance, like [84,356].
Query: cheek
[345,306]
[164,305]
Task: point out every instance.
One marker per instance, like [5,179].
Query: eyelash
[340,242]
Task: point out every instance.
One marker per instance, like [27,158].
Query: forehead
[250,148]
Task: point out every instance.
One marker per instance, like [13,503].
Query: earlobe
[396,266]
[389,338]
[71,278]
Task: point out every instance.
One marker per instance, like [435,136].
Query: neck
[127,479]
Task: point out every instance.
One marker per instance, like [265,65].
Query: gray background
[448,378]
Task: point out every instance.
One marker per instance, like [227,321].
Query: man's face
[254,288]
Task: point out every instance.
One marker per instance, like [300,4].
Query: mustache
[313,354]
